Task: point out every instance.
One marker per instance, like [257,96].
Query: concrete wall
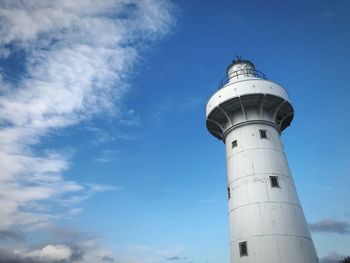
[269,219]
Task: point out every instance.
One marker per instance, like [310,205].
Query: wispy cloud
[101,160]
[176,258]
[179,105]
[151,254]
[130,118]
[190,102]
[90,190]
[330,226]
[103,136]
[76,56]
[106,156]
[207,201]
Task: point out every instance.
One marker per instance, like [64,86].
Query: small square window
[274,181]
[243,249]
[234,144]
[228,193]
[263,134]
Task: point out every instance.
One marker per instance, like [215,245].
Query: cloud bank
[330,226]
[57,254]
[176,258]
[62,62]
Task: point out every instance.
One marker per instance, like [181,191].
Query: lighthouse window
[234,143]
[263,134]
[274,181]
[243,250]
[228,192]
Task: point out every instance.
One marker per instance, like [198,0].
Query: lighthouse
[267,224]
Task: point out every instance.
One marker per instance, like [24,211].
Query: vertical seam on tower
[242,108]
[261,105]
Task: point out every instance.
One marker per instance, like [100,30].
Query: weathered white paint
[269,219]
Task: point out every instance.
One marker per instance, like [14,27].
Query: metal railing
[242,72]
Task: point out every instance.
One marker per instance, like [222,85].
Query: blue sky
[104,151]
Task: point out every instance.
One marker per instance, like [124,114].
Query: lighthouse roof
[240,63]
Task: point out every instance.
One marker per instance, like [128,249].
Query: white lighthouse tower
[267,224]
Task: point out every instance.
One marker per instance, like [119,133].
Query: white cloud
[51,253]
[147,254]
[87,251]
[77,55]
